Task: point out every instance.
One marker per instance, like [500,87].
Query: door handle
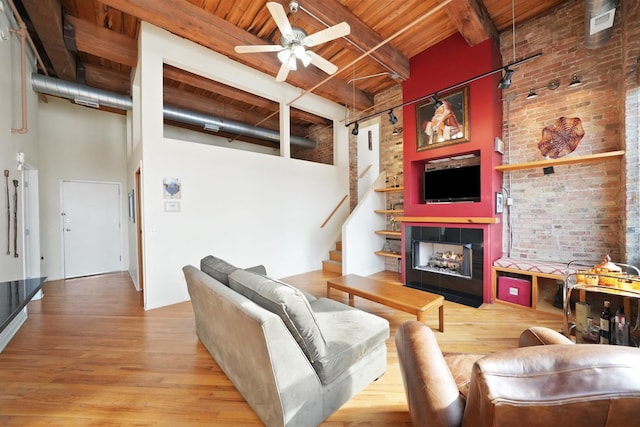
[67,229]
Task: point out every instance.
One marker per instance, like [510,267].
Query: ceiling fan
[294,41]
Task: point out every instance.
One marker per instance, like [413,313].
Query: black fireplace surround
[454,287]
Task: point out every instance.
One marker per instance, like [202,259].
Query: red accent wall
[447,64]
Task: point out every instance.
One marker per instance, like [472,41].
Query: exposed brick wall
[323,153]
[579,211]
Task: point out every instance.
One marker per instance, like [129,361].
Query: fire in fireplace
[444,258]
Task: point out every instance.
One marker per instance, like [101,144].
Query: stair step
[338,246]
[332,266]
[335,255]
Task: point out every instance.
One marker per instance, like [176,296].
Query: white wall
[248,208]
[11,268]
[77,143]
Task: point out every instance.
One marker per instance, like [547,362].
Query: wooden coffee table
[399,297]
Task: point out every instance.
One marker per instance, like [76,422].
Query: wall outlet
[509,201]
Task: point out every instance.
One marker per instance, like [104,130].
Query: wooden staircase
[334,263]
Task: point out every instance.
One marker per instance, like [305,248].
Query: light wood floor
[90,355]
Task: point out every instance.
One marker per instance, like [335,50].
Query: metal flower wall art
[561,138]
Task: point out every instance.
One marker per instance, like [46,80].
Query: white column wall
[248,208]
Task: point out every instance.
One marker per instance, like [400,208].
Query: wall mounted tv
[454,184]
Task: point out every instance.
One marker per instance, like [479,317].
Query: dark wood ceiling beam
[332,12]
[472,20]
[233,93]
[46,17]
[107,79]
[193,23]
[104,43]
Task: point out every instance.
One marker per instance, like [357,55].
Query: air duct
[85,95]
[598,22]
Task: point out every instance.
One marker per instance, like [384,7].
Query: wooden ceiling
[94,42]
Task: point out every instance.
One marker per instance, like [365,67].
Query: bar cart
[580,277]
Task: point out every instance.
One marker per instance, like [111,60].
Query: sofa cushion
[350,335]
[217,268]
[287,302]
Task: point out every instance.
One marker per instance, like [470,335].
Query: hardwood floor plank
[89,354]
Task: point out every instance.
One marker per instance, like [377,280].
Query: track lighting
[505,81]
[575,81]
[355,129]
[532,94]
[392,118]
[435,101]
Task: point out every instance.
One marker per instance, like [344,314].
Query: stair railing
[334,210]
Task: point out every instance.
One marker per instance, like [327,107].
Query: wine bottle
[605,324]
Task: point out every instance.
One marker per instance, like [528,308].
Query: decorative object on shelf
[386,247]
[6,179]
[15,218]
[443,121]
[499,203]
[561,138]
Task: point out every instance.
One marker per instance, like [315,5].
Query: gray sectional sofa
[295,358]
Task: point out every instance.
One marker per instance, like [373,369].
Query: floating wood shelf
[388,189]
[562,161]
[389,233]
[389,254]
[389,211]
[451,219]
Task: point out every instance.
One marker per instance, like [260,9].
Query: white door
[91,228]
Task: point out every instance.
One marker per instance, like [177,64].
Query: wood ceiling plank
[189,21]
[46,17]
[332,12]
[107,79]
[472,20]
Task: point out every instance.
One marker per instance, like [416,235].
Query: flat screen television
[457,184]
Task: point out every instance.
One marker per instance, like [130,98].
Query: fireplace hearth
[447,261]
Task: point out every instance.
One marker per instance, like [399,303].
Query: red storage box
[517,291]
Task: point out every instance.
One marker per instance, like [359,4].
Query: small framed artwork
[499,203]
[443,121]
[132,207]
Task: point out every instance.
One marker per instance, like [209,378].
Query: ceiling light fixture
[553,85]
[392,117]
[575,81]
[355,129]
[435,101]
[505,81]
[396,131]
[532,94]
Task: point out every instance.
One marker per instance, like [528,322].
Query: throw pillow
[287,302]
[217,268]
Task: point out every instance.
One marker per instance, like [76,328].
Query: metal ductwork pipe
[92,97]
[598,22]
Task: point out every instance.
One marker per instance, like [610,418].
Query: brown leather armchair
[545,382]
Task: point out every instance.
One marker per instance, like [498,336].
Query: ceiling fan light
[306,59]
[292,63]
[283,56]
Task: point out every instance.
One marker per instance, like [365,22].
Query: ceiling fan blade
[259,48]
[280,16]
[340,30]
[322,63]
[282,73]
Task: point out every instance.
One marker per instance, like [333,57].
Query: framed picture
[499,203]
[445,122]
[132,207]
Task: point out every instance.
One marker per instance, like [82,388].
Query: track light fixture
[532,94]
[392,117]
[575,81]
[355,129]
[435,101]
[505,81]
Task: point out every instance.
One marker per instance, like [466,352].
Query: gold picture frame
[448,124]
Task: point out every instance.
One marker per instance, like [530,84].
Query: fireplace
[447,261]
[445,258]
